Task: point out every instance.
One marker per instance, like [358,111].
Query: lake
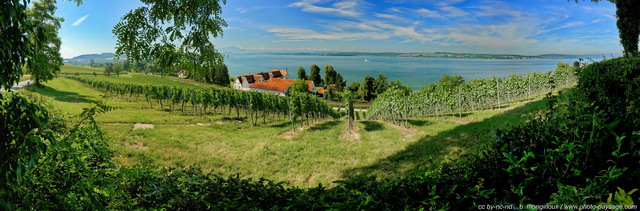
[413,72]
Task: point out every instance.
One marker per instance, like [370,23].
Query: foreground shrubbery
[585,146]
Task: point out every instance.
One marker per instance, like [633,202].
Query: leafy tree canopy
[302,74]
[314,75]
[628,24]
[298,86]
[167,32]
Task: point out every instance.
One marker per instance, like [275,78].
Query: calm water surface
[413,72]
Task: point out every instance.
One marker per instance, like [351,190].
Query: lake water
[413,72]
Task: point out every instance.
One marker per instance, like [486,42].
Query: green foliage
[381,84]
[299,86]
[17,31]
[202,98]
[46,165]
[454,95]
[108,69]
[144,35]
[117,69]
[221,76]
[628,22]
[302,74]
[367,89]
[46,61]
[314,75]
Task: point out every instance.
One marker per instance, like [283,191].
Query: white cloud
[391,17]
[80,20]
[344,8]
[429,13]
[450,11]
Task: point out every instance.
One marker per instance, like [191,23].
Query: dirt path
[19,85]
[405,131]
[289,134]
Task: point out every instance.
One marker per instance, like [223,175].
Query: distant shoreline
[445,55]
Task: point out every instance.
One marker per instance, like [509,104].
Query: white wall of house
[267,91]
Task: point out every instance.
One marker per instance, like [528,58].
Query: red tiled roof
[277,84]
[265,76]
[276,74]
[250,79]
[257,77]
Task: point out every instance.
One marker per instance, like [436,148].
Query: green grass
[68,69]
[315,155]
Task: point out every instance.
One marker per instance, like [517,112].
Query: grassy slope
[315,155]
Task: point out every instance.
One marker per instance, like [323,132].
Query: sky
[461,26]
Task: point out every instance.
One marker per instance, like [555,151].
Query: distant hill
[94,56]
[97,58]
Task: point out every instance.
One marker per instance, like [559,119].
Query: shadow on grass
[372,126]
[243,119]
[62,96]
[463,114]
[325,125]
[281,124]
[429,151]
[419,122]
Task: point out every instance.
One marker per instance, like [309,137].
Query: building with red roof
[243,82]
[278,86]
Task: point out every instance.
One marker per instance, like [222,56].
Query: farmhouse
[243,82]
[278,86]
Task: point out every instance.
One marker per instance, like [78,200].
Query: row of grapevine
[476,94]
[309,106]
[202,98]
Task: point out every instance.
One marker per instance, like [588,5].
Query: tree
[302,74]
[108,69]
[396,84]
[628,24]
[450,83]
[169,31]
[340,82]
[354,86]
[314,75]
[381,84]
[222,75]
[298,86]
[46,60]
[329,75]
[367,88]
[117,69]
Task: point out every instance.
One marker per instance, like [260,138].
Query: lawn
[318,154]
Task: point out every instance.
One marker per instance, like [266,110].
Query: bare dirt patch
[405,131]
[142,126]
[135,143]
[289,134]
[353,135]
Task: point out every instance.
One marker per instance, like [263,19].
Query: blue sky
[474,26]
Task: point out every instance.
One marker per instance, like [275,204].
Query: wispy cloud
[80,20]
[501,27]
[344,8]
[450,11]
[428,13]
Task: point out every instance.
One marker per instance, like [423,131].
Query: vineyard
[201,101]
[457,96]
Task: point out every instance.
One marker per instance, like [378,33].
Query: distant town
[436,55]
